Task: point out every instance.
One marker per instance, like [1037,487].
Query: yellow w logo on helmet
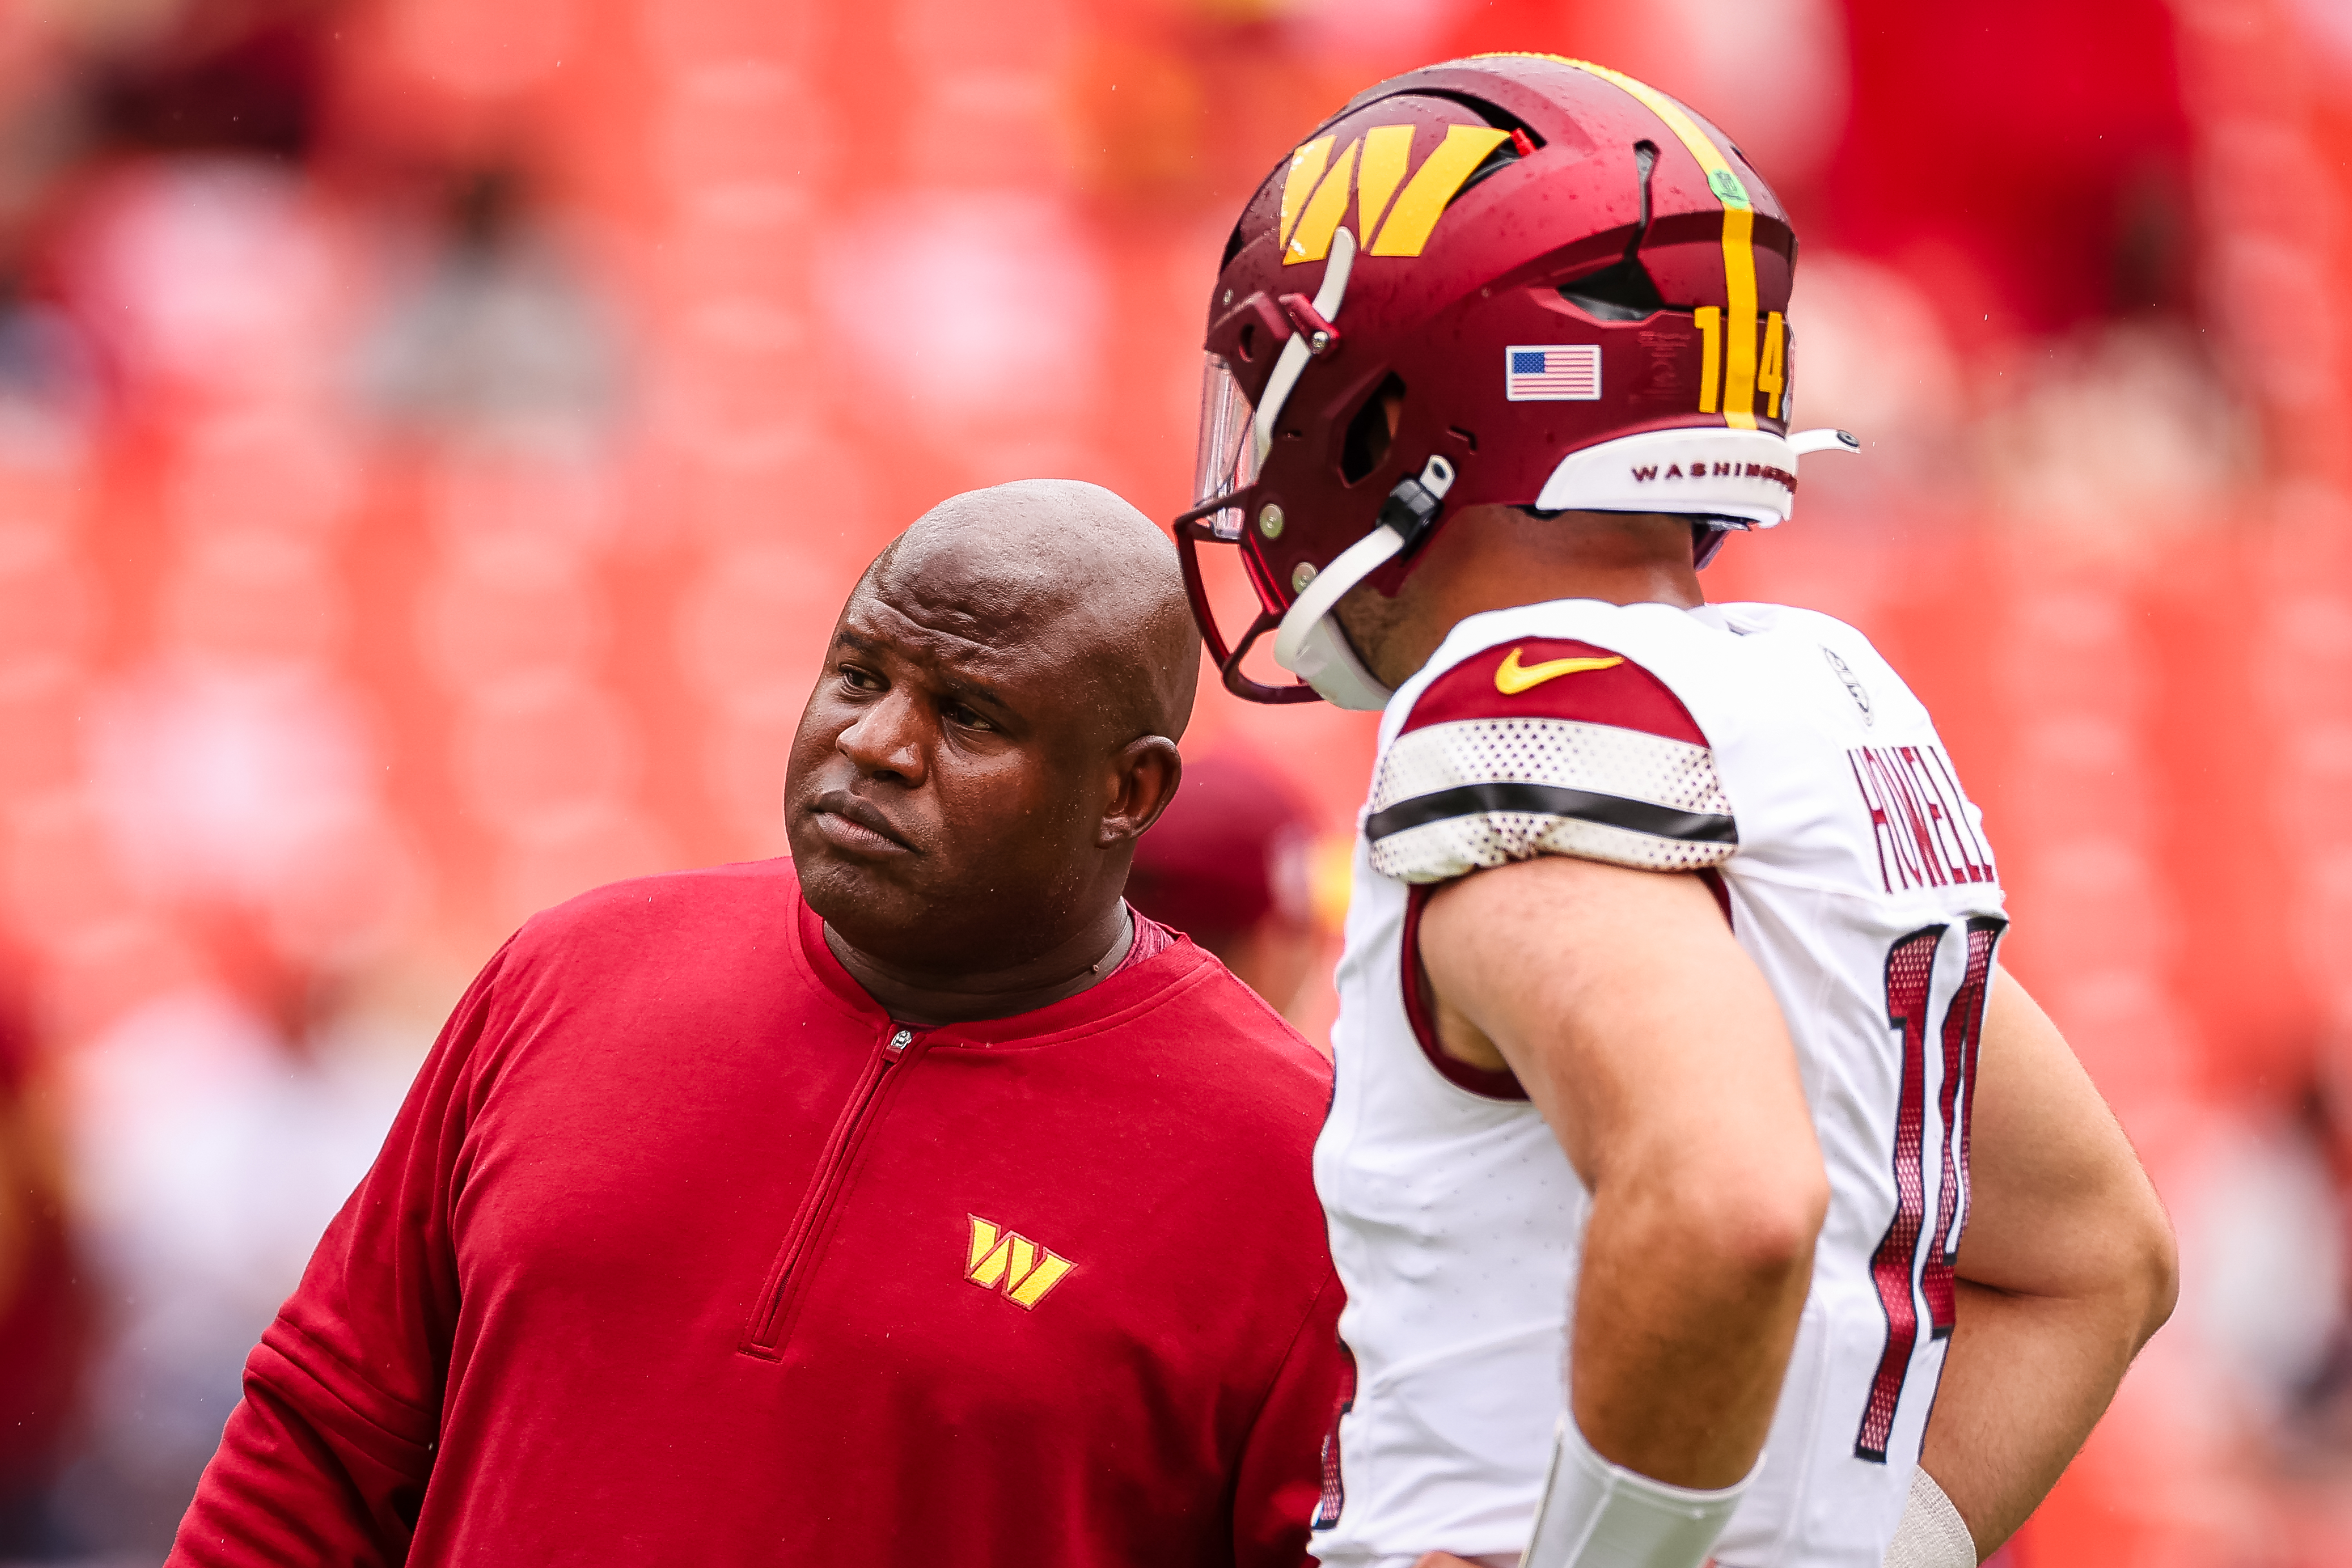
[1315,189]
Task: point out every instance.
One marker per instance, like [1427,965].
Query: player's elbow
[1779,1219]
[1758,1224]
[2149,1269]
[2129,1273]
[2130,1243]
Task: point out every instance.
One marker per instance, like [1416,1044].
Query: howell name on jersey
[1774,752]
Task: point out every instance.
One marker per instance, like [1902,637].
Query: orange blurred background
[434,438]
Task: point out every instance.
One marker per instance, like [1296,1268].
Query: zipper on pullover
[763,1336]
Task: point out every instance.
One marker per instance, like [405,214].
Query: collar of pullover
[1135,988]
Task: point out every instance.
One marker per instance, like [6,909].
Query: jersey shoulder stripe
[1555,678]
[1546,746]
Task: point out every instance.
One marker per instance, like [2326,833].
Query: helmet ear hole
[1232,248]
[1372,432]
[1621,292]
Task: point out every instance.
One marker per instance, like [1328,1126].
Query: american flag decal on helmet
[1553,372]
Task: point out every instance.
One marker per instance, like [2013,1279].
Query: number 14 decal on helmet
[1741,374]
[1771,370]
[1894,1268]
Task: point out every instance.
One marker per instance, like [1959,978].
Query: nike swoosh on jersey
[1510,678]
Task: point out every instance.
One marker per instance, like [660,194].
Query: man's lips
[856,825]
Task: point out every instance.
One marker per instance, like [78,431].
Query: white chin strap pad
[1310,645]
[1595,1514]
[1706,471]
[1327,663]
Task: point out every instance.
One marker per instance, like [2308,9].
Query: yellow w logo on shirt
[1021,1268]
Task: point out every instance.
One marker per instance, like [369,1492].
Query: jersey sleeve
[1546,746]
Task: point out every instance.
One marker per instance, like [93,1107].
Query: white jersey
[1775,750]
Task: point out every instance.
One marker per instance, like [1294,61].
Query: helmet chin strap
[1309,643]
[1299,351]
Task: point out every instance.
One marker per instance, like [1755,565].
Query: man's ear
[1144,778]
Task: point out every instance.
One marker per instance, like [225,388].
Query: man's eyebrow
[988,694]
[957,682]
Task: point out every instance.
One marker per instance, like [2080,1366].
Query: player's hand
[1444,1560]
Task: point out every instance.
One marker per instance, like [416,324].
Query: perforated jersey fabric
[1590,773]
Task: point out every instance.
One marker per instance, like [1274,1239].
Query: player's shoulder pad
[1793,620]
[1876,686]
[1554,677]
[1546,746]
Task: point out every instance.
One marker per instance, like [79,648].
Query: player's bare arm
[2066,1268]
[1657,1052]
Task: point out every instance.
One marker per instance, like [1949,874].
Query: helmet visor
[1227,461]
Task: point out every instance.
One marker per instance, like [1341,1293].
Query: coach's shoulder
[1240,1048]
[707,911]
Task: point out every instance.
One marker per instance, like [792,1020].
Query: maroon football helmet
[1513,279]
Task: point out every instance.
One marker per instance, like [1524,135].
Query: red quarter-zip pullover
[682,1251]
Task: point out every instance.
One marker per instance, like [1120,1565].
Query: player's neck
[1497,558]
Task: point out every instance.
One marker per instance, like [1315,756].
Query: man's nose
[886,741]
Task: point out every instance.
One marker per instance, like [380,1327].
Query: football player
[1672,1042]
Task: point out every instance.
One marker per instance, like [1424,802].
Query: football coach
[908,1202]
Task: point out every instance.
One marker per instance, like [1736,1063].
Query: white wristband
[1595,1514]
[1932,1534]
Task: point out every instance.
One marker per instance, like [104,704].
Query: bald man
[909,1202]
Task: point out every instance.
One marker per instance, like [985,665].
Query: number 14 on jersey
[1895,1268]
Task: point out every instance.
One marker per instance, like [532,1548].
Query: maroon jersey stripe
[1334,1499]
[1963,1028]
[1910,971]
[1624,694]
[1482,1081]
